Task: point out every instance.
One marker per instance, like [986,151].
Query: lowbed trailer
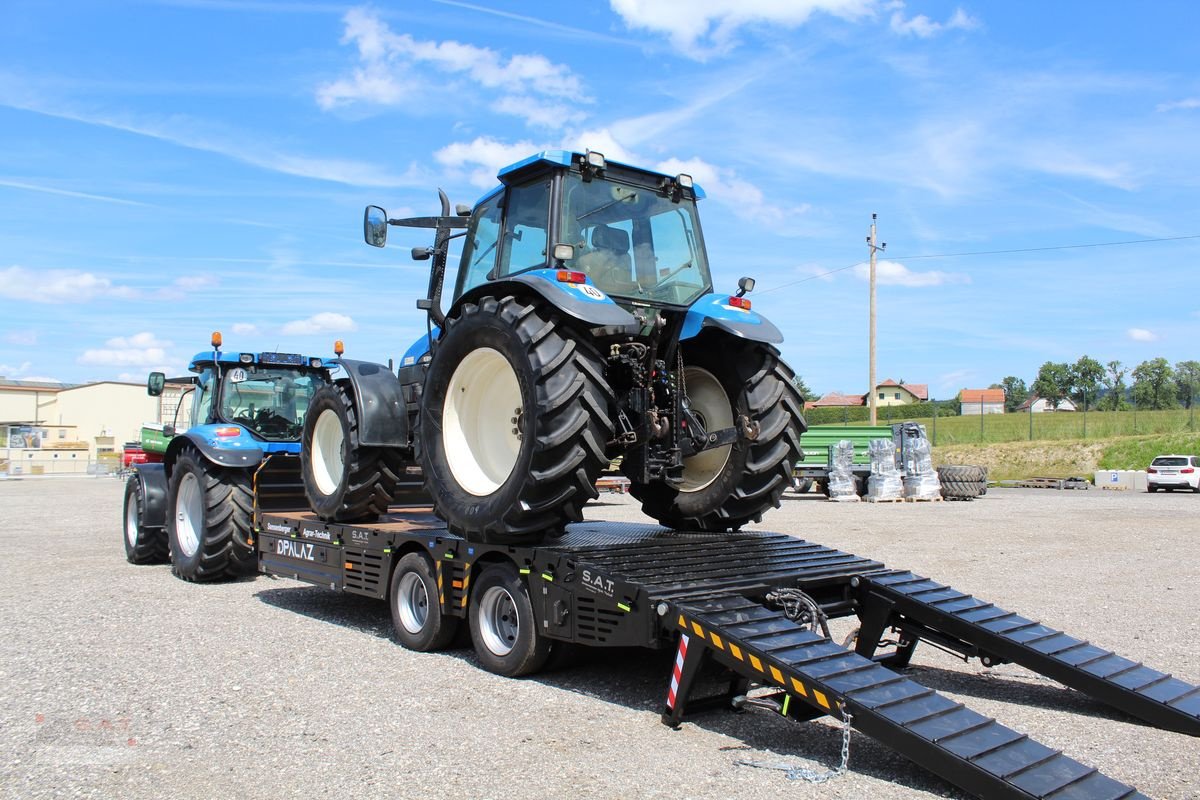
[753,603]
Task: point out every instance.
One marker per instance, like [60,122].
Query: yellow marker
[682,623]
[799,687]
[716,640]
[821,699]
[757,664]
[737,652]
[699,631]
[777,675]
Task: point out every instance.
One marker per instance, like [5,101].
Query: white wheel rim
[413,602]
[499,626]
[131,519]
[710,403]
[327,465]
[482,400]
[189,514]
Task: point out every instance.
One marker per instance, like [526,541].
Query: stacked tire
[962,481]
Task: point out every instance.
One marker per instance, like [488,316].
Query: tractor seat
[609,262]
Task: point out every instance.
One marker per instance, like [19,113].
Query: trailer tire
[143,545]
[503,628]
[343,480]
[727,487]
[416,613]
[804,485]
[210,514]
[514,422]
[962,481]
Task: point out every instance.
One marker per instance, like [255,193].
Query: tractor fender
[153,478]
[378,403]
[714,311]
[580,301]
[240,452]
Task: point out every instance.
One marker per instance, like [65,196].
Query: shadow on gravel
[636,678]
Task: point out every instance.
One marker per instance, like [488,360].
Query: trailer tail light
[740,302]
[569,276]
[228,431]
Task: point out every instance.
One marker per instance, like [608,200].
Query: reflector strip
[677,671]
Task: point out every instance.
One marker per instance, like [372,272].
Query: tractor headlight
[246,358]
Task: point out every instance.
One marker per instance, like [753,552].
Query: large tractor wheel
[514,422]
[343,480]
[143,545]
[726,487]
[209,520]
[416,613]
[503,628]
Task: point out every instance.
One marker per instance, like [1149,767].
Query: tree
[1114,385]
[1085,378]
[803,389]
[1187,382]
[1015,392]
[1053,382]
[1154,384]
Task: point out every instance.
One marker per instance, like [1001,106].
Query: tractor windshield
[634,242]
[268,401]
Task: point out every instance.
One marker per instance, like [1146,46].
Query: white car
[1173,472]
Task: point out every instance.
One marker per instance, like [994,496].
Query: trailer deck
[620,584]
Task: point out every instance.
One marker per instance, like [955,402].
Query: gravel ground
[123,681]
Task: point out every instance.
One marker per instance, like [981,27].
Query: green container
[817,440]
[153,440]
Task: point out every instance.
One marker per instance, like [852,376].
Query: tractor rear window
[270,402]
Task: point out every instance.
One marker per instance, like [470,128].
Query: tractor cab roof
[551,159]
[210,357]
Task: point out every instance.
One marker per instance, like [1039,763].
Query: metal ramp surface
[922,608]
[968,749]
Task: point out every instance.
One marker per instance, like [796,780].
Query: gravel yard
[123,681]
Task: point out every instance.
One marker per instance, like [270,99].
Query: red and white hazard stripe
[677,672]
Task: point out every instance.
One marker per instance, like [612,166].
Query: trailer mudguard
[378,403]
[153,478]
[239,451]
[581,301]
[714,311]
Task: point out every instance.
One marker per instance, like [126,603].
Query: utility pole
[874,401]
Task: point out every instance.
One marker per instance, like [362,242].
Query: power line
[985,253]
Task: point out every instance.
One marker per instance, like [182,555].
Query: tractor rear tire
[343,480]
[210,515]
[962,481]
[514,422]
[143,545]
[725,488]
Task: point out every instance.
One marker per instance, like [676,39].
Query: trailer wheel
[503,628]
[343,480]
[416,613]
[209,520]
[143,545]
[727,487]
[514,423]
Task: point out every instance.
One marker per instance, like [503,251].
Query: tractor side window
[202,399]
[479,252]
[524,243]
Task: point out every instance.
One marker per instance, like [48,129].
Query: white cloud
[724,186]
[325,322]
[893,273]
[1142,335]
[923,27]
[689,23]
[482,158]
[181,288]
[1187,104]
[140,350]
[22,338]
[12,373]
[57,285]
[244,328]
[388,73]
[602,140]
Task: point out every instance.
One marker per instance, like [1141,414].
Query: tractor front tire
[514,422]
[143,545]
[209,520]
[343,480]
[725,488]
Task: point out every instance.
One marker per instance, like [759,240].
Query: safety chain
[795,772]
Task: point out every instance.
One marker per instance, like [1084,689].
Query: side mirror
[375,226]
[155,384]
[462,210]
[168,431]
[745,285]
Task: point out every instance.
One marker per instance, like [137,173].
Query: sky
[173,167]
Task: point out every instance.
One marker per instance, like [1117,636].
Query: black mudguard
[153,478]
[378,403]
[603,316]
[240,458]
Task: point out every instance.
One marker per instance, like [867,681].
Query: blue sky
[171,167]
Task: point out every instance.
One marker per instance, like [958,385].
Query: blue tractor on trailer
[240,454]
